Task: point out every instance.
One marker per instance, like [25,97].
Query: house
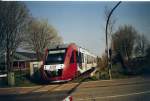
[21,60]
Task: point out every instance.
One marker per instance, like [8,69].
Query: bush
[104,75]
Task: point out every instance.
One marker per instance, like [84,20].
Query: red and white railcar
[65,62]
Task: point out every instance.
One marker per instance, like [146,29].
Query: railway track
[84,75]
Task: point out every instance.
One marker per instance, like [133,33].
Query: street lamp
[106,31]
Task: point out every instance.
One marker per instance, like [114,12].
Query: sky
[83,23]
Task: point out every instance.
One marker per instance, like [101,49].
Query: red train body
[64,62]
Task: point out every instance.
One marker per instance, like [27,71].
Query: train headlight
[46,67]
[61,66]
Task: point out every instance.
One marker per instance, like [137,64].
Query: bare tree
[41,35]
[124,40]
[141,45]
[102,63]
[13,21]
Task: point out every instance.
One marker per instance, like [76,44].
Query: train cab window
[72,57]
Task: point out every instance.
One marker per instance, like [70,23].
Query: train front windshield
[55,57]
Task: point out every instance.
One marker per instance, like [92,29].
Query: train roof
[64,46]
[87,52]
[59,46]
[81,49]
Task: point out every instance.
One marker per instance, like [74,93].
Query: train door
[80,61]
[83,62]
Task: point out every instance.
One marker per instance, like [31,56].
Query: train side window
[82,57]
[88,59]
[72,57]
[79,59]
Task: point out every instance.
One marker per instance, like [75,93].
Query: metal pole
[5,61]
[106,31]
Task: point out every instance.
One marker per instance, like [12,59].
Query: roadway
[114,91]
[133,89]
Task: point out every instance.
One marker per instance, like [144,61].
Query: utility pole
[109,65]
[5,61]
